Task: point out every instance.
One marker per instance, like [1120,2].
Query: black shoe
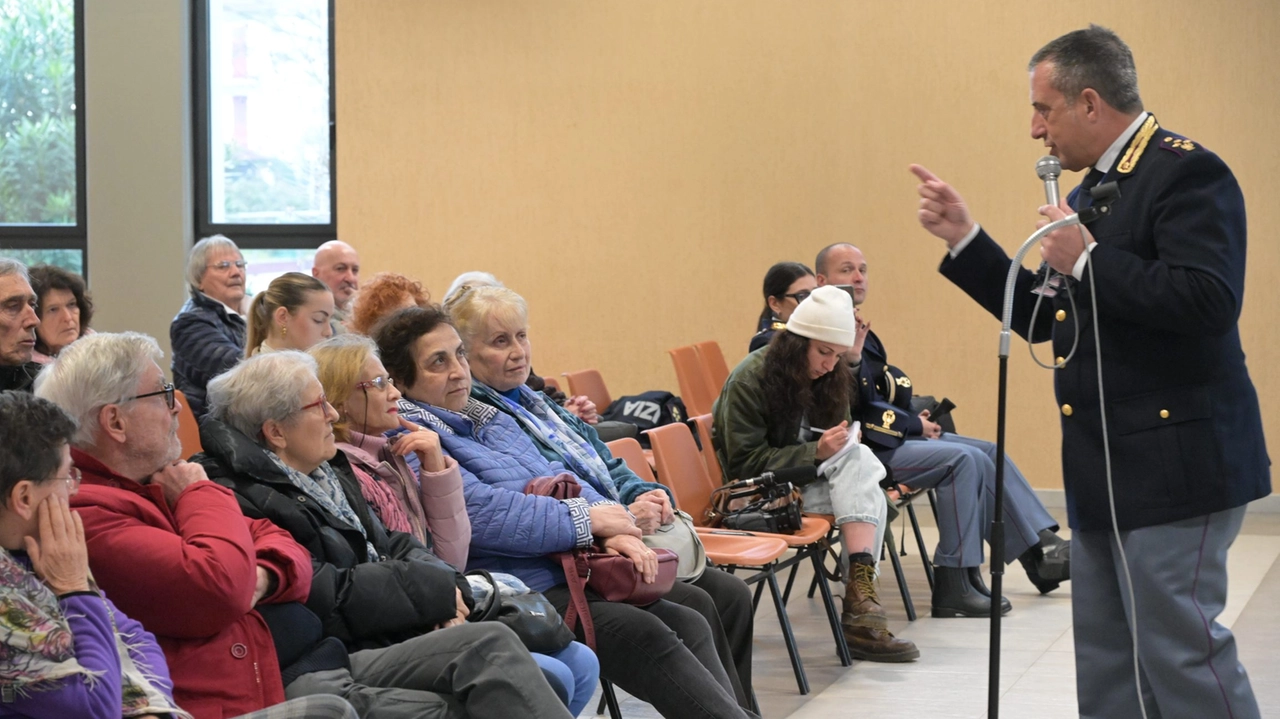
[954,596]
[975,580]
[1048,564]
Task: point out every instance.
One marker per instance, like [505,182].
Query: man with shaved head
[18,322]
[338,266]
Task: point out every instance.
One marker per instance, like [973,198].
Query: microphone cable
[1106,447]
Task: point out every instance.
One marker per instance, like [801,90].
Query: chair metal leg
[791,579]
[813,585]
[933,504]
[892,551]
[788,637]
[924,553]
[755,602]
[607,697]
[833,616]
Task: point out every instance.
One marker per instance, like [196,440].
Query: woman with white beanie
[787,405]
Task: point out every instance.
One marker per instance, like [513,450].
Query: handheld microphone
[797,476]
[1049,168]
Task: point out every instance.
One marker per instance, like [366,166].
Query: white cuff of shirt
[958,247]
[1078,271]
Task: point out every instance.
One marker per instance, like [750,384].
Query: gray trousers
[476,671]
[963,471]
[320,706]
[1188,664]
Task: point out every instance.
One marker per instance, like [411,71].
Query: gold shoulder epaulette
[1137,145]
[778,326]
[1180,143]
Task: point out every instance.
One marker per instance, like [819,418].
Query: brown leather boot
[861,605]
[878,645]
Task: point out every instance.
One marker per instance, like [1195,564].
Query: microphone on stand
[1048,169]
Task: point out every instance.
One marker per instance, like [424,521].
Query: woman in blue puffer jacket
[662,653]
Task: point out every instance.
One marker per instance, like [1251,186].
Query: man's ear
[112,422]
[273,433]
[22,499]
[822,279]
[1091,103]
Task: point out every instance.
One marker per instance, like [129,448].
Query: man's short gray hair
[10,266]
[1093,57]
[93,372]
[265,386]
[198,259]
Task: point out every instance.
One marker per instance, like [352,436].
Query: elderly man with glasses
[224,593]
[208,333]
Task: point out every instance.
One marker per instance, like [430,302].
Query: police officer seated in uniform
[922,456]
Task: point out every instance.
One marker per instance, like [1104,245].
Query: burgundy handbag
[612,576]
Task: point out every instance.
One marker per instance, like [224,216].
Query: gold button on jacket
[1164,414]
[1060,315]
[1066,410]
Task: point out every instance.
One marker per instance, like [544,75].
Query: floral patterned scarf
[37,649]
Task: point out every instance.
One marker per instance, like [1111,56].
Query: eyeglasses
[799,296]
[379,383]
[166,390]
[225,265]
[321,403]
[73,481]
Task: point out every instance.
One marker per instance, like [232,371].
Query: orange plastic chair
[732,550]
[682,470]
[188,428]
[590,383]
[713,362]
[703,421]
[694,389]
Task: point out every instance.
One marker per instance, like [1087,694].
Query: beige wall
[138,155]
[634,168]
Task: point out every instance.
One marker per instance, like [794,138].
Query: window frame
[250,236]
[28,236]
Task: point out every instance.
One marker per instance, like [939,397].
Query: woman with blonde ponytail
[291,314]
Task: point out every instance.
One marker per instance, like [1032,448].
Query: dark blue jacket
[511,531]
[1182,415]
[206,342]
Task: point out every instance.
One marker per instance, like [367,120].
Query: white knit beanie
[825,315]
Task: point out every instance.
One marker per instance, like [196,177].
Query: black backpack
[646,411]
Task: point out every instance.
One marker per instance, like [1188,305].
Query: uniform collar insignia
[1137,145]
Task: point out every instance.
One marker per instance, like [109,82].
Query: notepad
[855,438]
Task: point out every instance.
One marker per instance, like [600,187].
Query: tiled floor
[1037,676]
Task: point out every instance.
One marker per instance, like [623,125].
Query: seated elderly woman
[269,438]
[428,503]
[64,307]
[208,333]
[291,314]
[494,325]
[67,650]
[382,296]
[662,653]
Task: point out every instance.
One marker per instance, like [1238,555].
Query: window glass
[266,265]
[37,112]
[269,158]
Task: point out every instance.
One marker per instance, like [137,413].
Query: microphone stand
[1103,196]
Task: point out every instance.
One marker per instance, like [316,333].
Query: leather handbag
[680,537]
[529,614]
[611,576]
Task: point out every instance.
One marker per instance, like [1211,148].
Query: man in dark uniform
[1187,451]
[18,322]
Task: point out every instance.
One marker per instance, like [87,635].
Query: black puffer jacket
[365,604]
